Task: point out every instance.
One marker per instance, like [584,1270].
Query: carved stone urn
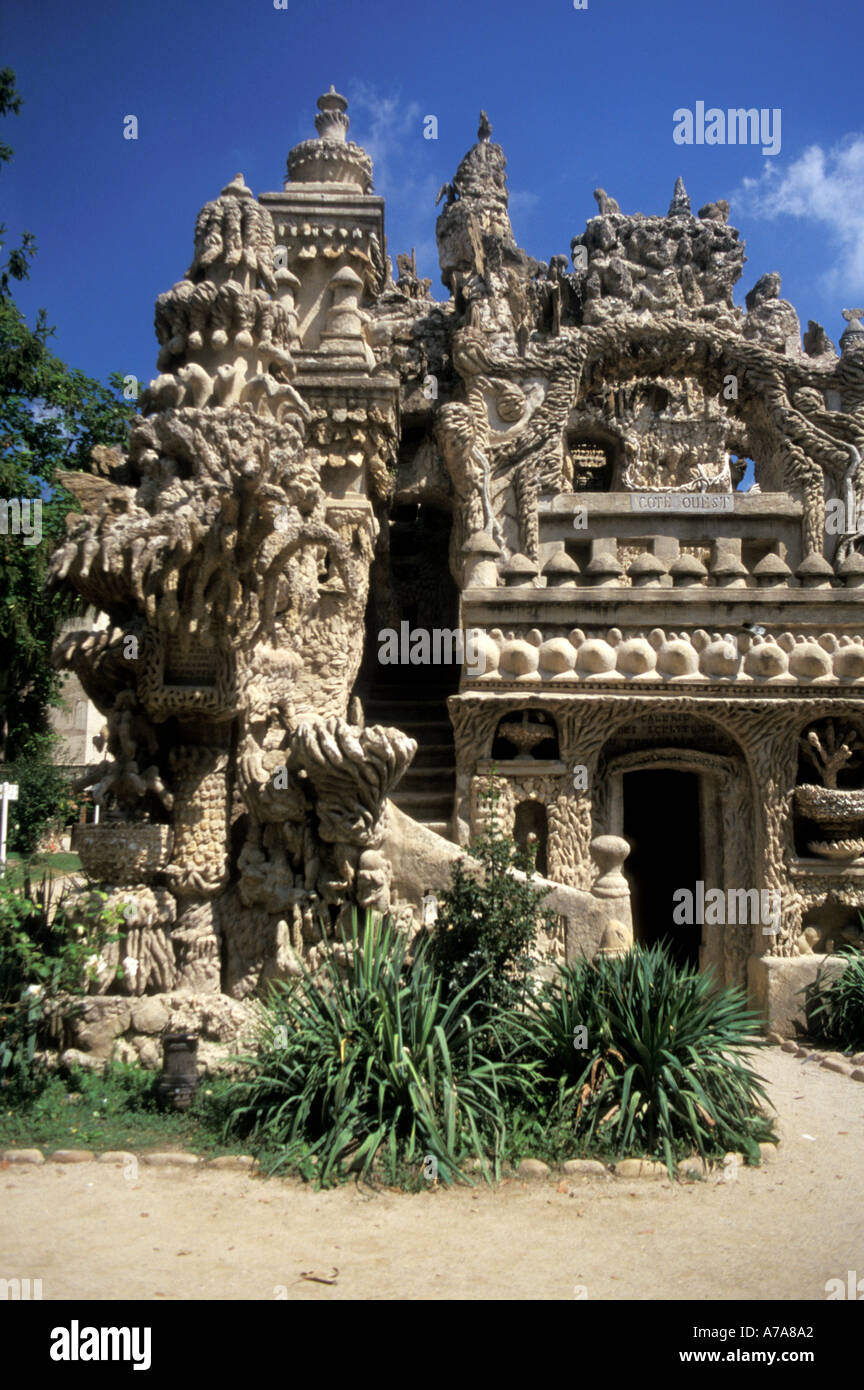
[839,814]
[122,852]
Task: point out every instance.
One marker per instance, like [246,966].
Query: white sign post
[8,792]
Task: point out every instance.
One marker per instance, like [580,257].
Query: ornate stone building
[549,461]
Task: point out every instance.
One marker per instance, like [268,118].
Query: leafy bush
[836,1004]
[488,922]
[42,954]
[664,1068]
[375,1061]
[44,795]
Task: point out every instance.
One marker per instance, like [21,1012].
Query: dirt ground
[777,1232]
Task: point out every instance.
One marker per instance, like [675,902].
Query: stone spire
[852,339]
[332,157]
[332,121]
[680,205]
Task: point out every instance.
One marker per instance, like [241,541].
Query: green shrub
[44,795]
[488,923]
[377,1060]
[835,1009]
[664,1068]
[42,954]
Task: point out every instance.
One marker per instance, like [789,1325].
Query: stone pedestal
[776,985]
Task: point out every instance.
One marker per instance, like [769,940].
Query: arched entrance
[661,821]
[688,816]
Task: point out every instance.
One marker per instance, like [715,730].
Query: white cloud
[406,170]
[823,187]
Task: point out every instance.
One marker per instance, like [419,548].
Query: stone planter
[122,853]
[839,814]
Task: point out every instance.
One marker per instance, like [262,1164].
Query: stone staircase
[420,710]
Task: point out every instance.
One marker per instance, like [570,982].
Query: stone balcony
[710,540]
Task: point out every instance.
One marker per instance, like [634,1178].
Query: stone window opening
[527,733]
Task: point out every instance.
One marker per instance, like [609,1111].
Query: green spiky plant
[373,1059]
[836,1004]
[665,1068]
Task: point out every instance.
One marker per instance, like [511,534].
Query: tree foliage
[51,417]
[488,921]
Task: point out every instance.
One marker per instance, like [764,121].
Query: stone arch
[726,802]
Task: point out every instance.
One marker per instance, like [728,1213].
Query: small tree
[488,920]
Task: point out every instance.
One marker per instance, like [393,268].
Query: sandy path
[777,1232]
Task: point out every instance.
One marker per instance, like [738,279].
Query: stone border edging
[838,1062]
[178,1159]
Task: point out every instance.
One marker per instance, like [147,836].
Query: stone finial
[816,340]
[331,157]
[680,205]
[606,206]
[767,287]
[609,853]
[484,130]
[237,188]
[332,120]
[852,339]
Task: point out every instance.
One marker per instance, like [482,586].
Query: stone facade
[549,459]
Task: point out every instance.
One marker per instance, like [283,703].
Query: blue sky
[577,98]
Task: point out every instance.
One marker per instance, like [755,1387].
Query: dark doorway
[661,822]
[530,830]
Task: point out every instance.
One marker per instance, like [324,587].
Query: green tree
[51,417]
[488,920]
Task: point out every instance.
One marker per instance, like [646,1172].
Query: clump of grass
[663,1070]
[836,1004]
[375,1058]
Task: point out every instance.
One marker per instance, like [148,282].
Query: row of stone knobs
[687,571]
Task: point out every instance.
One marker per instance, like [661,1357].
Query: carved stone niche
[829,795]
[529,796]
[526,734]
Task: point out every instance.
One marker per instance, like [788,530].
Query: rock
[116,1156]
[768,1152]
[831,1064]
[73,1057]
[72,1156]
[97,1022]
[693,1167]
[857,1059]
[789,1046]
[533,1168]
[149,1015]
[231,1161]
[587,1167]
[640,1168]
[23,1156]
[169,1160]
[149,1053]
[857,1074]
[777,1038]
